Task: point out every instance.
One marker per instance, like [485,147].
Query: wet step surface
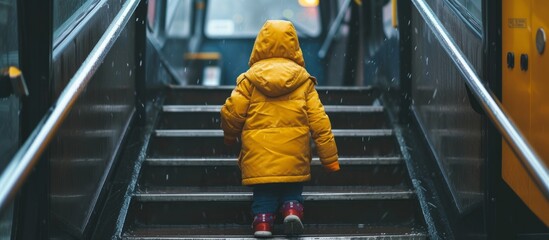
[217,95]
[232,161]
[323,205]
[395,212]
[219,133]
[243,193]
[380,171]
[177,143]
[312,231]
[207,117]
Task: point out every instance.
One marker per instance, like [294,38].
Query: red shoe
[263,225]
[292,212]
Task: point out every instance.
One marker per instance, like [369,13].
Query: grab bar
[491,105]
[26,157]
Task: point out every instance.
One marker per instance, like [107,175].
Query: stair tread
[327,108]
[174,87]
[312,231]
[218,94]
[232,161]
[243,193]
[219,132]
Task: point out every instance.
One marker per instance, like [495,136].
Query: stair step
[218,95]
[217,108]
[219,133]
[389,171]
[242,193]
[212,120]
[232,161]
[377,211]
[312,232]
[375,143]
[231,205]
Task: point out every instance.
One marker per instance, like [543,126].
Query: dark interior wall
[86,145]
[157,73]
[9,106]
[441,105]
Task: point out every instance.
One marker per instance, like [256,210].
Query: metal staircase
[189,185]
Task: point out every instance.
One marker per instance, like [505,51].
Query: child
[275,109]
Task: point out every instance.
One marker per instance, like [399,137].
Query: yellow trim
[14,72]
[203,56]
[308,3]
[395,13]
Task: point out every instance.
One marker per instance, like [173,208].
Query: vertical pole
[35,44]
[140,60]
[497,215]
[354,46]
[404,10]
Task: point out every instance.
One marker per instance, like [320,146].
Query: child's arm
[321,130]
[234,111]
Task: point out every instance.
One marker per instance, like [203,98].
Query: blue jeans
[268,197]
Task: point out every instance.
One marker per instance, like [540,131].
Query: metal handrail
[489,102]
[26,157]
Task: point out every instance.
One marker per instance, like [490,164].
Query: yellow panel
[516,86]
[516,83]
[395,13]
[522,95]
[539,123]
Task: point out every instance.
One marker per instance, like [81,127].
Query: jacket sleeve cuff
[229,140]
[229,137]
[332,167]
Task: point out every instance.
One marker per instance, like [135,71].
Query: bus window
[66,13]
[178,18]
[244,18]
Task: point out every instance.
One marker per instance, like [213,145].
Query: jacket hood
[277,39]
[277,76]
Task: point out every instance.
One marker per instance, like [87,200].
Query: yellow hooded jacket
[275,109]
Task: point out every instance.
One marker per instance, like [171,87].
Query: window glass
[178,18]
[473,7]
[244,18]
[65,12]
